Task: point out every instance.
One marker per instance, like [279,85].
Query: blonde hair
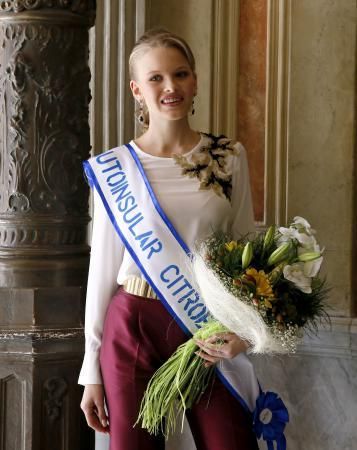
[159,37]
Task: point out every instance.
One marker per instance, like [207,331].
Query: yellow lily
[231,245]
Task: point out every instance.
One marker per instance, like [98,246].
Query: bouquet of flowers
[265,289]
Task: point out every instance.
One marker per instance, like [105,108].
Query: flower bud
[247,255]
[276,273]
[269,236]
[309,256]
[281,253]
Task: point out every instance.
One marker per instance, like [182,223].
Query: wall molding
[277,111]
[111,111]
[118,24]
[337,339]
[13,404]
[225,70]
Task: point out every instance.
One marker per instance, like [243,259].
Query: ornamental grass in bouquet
[265,288]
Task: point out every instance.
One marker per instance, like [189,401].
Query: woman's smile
[172,100]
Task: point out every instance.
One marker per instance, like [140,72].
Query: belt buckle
[139,286]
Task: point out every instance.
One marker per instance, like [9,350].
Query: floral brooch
[210,165]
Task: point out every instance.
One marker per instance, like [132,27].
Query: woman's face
[165,82]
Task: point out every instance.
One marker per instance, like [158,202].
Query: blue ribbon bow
[269,419]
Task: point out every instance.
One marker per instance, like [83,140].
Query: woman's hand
[92,405]
[220,346]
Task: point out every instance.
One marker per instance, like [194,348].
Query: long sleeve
[106,257]
[242,206]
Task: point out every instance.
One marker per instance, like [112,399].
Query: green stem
[177,385]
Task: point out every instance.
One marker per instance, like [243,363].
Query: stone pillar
[44,136]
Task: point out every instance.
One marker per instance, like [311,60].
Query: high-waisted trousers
[140,335]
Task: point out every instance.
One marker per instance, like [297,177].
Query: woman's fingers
[217,350]
[222,346]
[219,338]
[93,422]
[93,407]
[207,357]
[98,423]
[102,416]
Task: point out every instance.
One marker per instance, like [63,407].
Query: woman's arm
[106,256]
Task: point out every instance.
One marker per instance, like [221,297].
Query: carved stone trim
[44,138]
[46,236]
[41,335]
[84,7]
[8,255]
[55,388]
[12,404]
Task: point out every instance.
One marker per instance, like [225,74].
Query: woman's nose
[169,85]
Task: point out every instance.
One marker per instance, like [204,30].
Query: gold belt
[138,286]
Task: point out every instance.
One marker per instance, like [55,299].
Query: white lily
[303,225]
[311,268]
[288,234]
[295,274]
[311,245]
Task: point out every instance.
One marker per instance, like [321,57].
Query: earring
[193,107]
[141,117]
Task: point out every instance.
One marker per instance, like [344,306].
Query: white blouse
[194,212]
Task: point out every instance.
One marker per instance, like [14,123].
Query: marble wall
[320,393]
[252,93]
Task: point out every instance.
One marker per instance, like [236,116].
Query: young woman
[202,183]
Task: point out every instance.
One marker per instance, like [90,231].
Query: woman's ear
[135,90]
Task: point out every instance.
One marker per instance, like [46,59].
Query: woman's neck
[168,138]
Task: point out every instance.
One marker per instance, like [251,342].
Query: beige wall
[321,145]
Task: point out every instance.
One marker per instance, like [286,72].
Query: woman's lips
[171,101]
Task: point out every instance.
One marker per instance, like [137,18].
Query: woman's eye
[182,74]
[155,78]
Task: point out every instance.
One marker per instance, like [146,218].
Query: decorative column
[44,137]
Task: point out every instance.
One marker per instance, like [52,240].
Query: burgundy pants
[139,336]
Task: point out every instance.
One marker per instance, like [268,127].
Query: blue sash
[162,257]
